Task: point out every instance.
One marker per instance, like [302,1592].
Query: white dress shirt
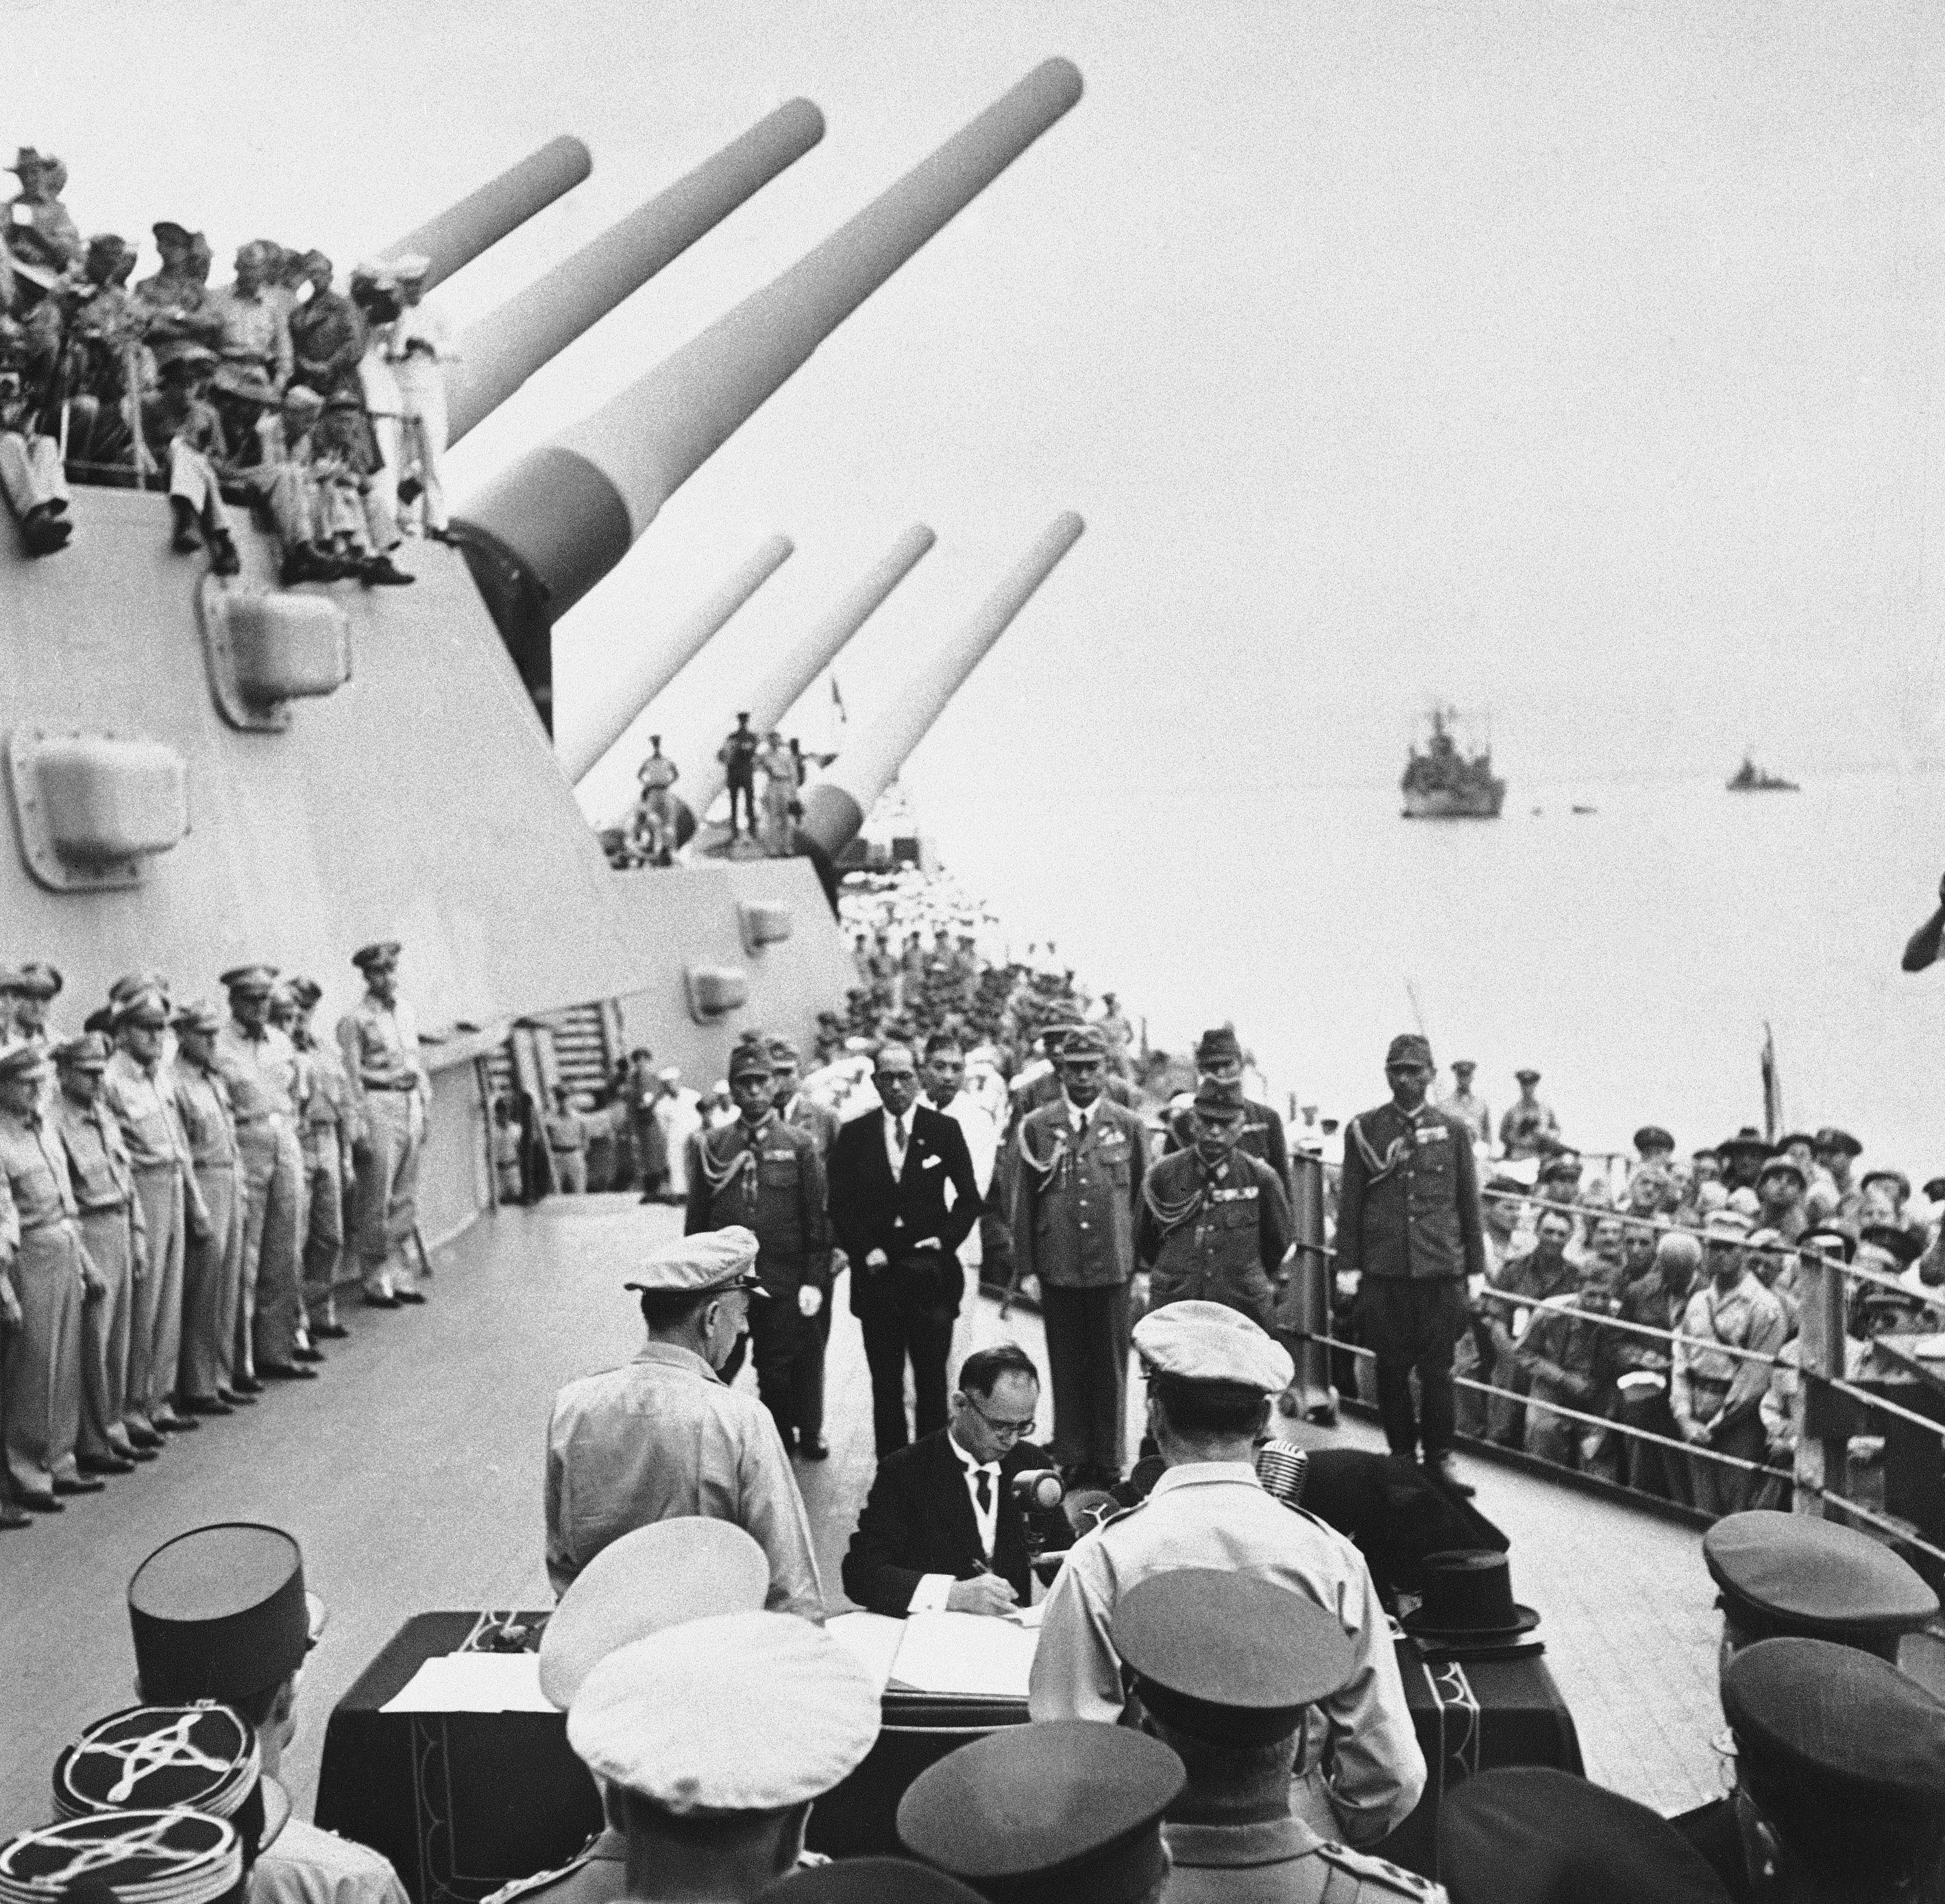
[929,1595]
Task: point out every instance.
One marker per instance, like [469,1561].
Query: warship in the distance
[1750,778]
[1442,782]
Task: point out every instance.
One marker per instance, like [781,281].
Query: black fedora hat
[1468,1600]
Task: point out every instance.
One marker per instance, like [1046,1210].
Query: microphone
[1282,1467]
[1038,1487]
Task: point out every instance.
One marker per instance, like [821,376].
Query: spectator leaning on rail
[1409,1226]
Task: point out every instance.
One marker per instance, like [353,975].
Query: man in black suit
[940,1532]
[889,1170]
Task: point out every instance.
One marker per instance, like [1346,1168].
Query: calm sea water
[1633,954]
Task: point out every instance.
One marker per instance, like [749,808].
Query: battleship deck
[412,1474]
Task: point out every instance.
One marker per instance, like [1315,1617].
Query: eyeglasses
[1007,1430]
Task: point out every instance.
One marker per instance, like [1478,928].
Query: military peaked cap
[1792,1574]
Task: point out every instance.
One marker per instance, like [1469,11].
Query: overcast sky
[1577,362]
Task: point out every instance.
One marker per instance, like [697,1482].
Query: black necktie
[983,1482]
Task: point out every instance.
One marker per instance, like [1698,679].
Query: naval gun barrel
[653,670]
[499,353]
[774,696]
[458,235]
[836,804]
[546,530]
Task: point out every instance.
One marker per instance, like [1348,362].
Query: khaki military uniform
[1279,1861]
[1076,1196]
[662,1436]
[770,1180]
[598,1874]
[40,1240]
[381,1045]
[325,1135]
[1218,1236]
[216,1344]
[262,1073]
[111,1234]
[567,1140]
[143,1103]
[1360,1769]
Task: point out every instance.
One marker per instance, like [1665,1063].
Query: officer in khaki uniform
[329,1118]
[49,1276]
[768,1176]
[1077,1197]
[567,1142]
[800,1112]
[1409,1226]
[141,1092]
[1224,1666]
[379,1038]
[1215,1223]
[655,1578]
[217,1359]
[116,1244]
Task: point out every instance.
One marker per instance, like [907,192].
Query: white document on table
[474,1682]
[875,1640]
[975,1654]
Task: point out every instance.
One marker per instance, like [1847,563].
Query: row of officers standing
[174,1181]
[897,1192]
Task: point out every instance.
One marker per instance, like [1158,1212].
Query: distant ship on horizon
[1443,782]
[1750,778]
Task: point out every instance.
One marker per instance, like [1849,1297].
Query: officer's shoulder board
[544,1880]
[1368,1875]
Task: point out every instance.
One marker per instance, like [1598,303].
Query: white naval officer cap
[1210,1341]
[791,1713]
[701,1264]
[656,1577]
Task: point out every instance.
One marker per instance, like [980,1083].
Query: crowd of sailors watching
[324,409]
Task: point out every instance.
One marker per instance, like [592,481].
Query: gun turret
[546,530]
[458,235]
[776,694]
[498,354]
[834,805]
[648,673]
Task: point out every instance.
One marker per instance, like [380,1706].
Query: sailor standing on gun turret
[392,1090]
[1077,1201]
[738,755]
[1409,1225]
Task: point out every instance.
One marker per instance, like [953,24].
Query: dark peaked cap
[1530,1834]
[1227,1658]
[1047,1813]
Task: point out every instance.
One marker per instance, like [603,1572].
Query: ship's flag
[1772,1087]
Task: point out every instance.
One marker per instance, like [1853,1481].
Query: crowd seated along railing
[1894,1486]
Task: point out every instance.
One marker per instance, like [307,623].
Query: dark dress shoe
[41,1503]
[246,1385]
[286,1372]
[330,1331]
[13,1517]
[144,1450]
[177,1424]
[143,1439]
[1442,1468]
[106,1464]
[412,1296]
[381,1302]
[208,1405]
[304,1352]
[236,1399]
[815,1450]
[78,1484]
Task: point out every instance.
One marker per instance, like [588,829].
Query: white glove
[810,1300]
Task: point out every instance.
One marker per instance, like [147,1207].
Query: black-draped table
[1476,1715]
[464,1802]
